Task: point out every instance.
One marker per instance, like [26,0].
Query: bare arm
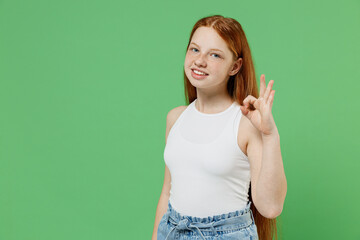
[165,192]
[272,184]
[268,181]
[160,211]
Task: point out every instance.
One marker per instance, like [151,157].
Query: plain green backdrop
[85,87]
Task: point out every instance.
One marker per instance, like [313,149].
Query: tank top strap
[236,120]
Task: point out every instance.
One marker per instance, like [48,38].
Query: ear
[236,67]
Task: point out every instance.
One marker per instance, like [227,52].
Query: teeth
[200,73]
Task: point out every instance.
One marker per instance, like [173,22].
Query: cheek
[188,59]
[216,68]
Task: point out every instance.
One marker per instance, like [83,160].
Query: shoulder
[172,116]
[247,130]
[251,136]
[253,133]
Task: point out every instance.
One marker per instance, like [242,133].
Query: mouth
[195,74]
[199,73]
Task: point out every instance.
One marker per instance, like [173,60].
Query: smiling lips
[198,76]
[198,72]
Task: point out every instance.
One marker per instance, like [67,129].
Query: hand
[261,117]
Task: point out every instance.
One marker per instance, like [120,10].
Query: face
[209,53]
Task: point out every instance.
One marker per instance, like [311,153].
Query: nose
[200,61]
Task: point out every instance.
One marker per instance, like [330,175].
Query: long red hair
[239,86]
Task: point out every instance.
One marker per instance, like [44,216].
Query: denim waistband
[227,221]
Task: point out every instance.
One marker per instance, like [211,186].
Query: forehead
[208,38]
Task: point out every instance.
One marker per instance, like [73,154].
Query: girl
[212,153]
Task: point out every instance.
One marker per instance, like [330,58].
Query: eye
[218,56]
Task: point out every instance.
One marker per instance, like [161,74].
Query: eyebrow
[210,49]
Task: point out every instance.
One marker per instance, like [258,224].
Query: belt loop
[212,227]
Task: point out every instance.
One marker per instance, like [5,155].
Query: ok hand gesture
[261,117]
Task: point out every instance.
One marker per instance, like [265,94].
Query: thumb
[244,110]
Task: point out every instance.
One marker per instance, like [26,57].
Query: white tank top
[210,175]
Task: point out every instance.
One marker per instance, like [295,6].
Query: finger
[262,85]
[245,111]
[271,98]
[268,90]
[251,103]
[249,99]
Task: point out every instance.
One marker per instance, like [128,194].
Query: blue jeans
[239,224]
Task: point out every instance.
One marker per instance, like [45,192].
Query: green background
[85,87]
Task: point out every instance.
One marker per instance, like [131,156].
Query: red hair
[240,85]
